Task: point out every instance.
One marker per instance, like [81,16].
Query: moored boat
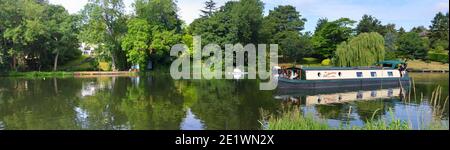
[386,73]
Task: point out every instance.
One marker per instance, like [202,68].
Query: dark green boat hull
[286,84]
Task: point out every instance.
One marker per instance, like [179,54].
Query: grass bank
[422,65]
[294,120]
[37,74]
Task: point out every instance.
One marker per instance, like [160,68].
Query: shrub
[438,56]
[326,62]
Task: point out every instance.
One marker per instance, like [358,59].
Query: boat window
[340,74]
[373,74]
[318,74]
[359,95]
[390,74]
[359,74]
[373,94]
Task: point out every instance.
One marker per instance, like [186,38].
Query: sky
[403,13]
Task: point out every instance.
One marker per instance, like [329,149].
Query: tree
[362,50]
[439,31]
[390,45]
[329,34]
[369,24]
[283,26]
[104,24]
[420,29]
[162,42]
[282,18]
[412,46]
[247,15]
[210,8]
[161,13]
[136,42]
[235,22]
[401,31]
[62,32]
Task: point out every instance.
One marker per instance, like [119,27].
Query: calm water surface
[158,102]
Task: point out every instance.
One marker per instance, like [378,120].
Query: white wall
[349,74]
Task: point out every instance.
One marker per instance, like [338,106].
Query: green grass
[80,64]
[422,65]
[294,120]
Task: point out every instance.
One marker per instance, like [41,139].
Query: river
[157,102]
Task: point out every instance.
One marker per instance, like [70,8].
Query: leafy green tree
[390,45]
[62,33]
[161,44]
[401,31]
[235,22]
[369,23]
[210,8]
[283,26]
[104,25]
[412,46]
[136,42]
[161,13]
[282,18]
[439,31]
[329,34]
[21,27]
[362,50]
[420,29]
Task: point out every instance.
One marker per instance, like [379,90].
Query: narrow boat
[386,73]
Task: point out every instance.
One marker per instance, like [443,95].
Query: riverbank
[37,74]
[34,74]
[422,66]
[294,120]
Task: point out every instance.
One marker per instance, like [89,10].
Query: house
[87,49]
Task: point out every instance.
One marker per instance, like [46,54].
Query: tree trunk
[55,65]
[113,63]
[14,63]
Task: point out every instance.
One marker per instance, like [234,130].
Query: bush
[326,62]
[440,57]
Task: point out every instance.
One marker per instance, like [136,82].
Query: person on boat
[293,74]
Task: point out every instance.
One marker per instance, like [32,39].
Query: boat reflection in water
[309,98]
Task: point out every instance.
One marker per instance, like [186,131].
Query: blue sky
[405,13]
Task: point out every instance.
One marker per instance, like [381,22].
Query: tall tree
[136,42]
[235,22]
[104,24]
[247,15]
[329,34]
[210,8]
[283,26]
[62,31]
[390,45]
[412,46]
[159,13]
[439,31]
[362,50]
[23,26]
[369,24]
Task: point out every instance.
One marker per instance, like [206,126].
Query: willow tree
[362,50]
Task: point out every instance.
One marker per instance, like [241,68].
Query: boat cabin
[385,69]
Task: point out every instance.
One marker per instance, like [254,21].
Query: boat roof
[375,67]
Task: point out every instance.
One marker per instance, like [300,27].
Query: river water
[157,102]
